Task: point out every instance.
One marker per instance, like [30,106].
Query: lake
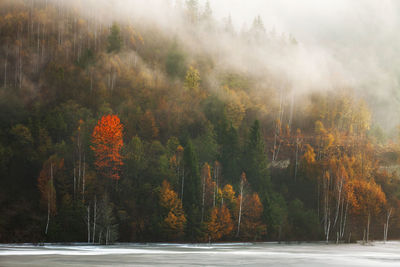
[223,254]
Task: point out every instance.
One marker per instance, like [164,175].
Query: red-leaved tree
[107,143]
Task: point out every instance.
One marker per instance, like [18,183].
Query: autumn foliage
[366,197]
[252,225]
[107,143]
[316,165]
[220,224]
[46,183]
[174,221]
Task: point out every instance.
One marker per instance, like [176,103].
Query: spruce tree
[191,195]
[114,39]
[256,161]
[230,154]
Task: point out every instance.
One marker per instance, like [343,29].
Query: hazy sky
[306,18]
[361,36]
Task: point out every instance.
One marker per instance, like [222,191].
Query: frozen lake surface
[229,254]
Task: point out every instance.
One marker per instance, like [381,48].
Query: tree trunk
[273,152]
[369,220]
[79,162]
[297,153]
[88,222]
[215,183]
[74,181]
[94,218]
[107,234]
[387,224]
[5,69]
[327,232]
[364,237]
[49,196]
[240,209]
[91,80]
[384,233]
[183,182]
[318,200]
[345,218]
[204,192]
[327,221]
[83,179]
[339,186]
[20,67]
[48,212]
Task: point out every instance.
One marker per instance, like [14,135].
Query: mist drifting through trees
[170,121]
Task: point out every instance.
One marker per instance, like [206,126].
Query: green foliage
[22,135]
[175,63]
[69,82]
[277,211]
[108,227]
[304,222]
[206,145]
[135,159]
[230,155]
[255,163]
[114,39]
[88,59]
[192,178]
[191,192]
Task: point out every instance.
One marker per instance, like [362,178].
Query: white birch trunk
[49,196]
[240,208]
[369,220]
[83,178]
[387,224]
[297,155]
[183,181]
[74,181]
[94,218]
[339,186]
[204,192]
[88,222]
[5,69]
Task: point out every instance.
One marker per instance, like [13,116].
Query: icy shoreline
[228,254]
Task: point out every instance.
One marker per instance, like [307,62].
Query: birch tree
[47,188]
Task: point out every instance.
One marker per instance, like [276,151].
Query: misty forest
[169,124]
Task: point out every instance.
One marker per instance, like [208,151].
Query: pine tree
[256,162]
[192,192]
[230,154]
[114,39]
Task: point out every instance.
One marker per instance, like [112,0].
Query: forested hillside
[123,128]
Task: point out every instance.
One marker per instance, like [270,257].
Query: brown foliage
[46,182]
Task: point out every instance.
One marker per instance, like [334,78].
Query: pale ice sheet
[222,254]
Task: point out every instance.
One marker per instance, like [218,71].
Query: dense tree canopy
[202,150]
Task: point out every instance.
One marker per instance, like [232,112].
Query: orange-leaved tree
[252,225]
[220,224]
[107,143]
[367,199]
[174,221]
